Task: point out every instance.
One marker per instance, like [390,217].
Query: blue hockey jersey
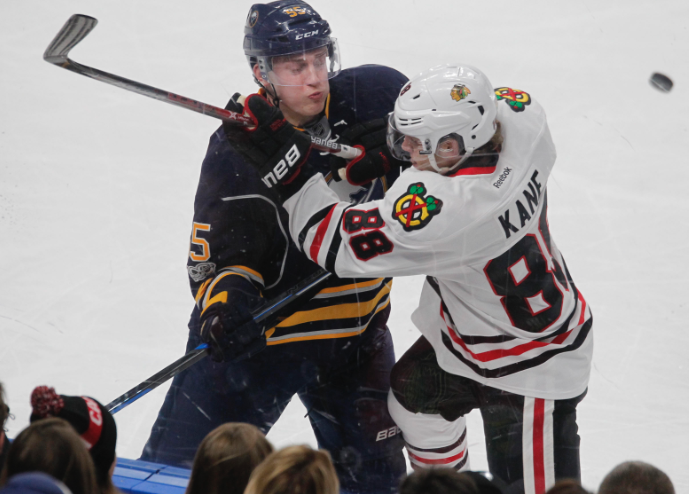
[240,238]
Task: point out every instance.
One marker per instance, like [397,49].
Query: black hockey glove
[231,332]
[274,147]
[376,160]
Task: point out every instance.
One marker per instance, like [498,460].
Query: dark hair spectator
[34,483]
[52,446]
[636,477]
[92,422]
[438,481]
[225,459]
[295,470]
[567,486]
[4,413]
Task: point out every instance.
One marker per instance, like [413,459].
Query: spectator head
[636,477]
[226,458]
[295,470]
[34,483]
[52,446]
[440,480]
[90,419]
[567,486]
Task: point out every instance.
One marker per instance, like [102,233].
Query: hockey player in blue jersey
[334,350]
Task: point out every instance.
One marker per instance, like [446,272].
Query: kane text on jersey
[531,197]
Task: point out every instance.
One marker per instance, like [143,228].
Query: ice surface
[97,188]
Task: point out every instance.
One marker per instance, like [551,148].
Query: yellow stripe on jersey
[365,284]
[341,311]
[201,291]
[249,274]
[324,335]
[219,298]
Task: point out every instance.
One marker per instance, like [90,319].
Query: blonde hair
[52,446]
[295,470]
[225,459]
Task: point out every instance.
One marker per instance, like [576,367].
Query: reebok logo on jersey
[501,179]
[413,210]
[531,196]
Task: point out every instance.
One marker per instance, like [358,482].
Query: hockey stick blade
[267,310]
[75,29]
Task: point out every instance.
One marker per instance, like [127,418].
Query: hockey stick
[200,352]
[79,26]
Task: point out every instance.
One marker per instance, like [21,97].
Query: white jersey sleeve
[499,305]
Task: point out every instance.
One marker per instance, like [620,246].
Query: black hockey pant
[530,442]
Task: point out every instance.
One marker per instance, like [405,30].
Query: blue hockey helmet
[291,29]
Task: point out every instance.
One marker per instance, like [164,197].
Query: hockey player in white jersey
[505,329]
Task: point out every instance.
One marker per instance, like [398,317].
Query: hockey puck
[661,82]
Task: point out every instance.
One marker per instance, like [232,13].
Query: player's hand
[231,332]
[376,159]
[274,147]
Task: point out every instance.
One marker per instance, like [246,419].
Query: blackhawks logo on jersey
[459,92]
[518,100]
[414,210]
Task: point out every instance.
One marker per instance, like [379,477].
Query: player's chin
[313,106]
[421,166]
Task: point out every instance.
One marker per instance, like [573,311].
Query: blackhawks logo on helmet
[414,210]
[459,92]
[518,100]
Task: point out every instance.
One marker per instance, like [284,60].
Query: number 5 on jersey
[196,240]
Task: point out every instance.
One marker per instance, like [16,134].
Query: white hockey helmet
[450,99]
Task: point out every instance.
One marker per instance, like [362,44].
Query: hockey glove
[376,159]
[274,147]
[231,332]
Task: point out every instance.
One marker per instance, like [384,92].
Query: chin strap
[445,171]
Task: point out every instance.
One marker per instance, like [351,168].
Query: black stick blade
[74,30]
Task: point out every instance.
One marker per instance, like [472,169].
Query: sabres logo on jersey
[414,210]
[518,100]
[459,92]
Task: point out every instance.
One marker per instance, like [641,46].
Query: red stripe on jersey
[320,234]
[440,461]
[583,309]
[538,460]
[501,353]
[474,170]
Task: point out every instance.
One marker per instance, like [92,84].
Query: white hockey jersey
[498,305]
